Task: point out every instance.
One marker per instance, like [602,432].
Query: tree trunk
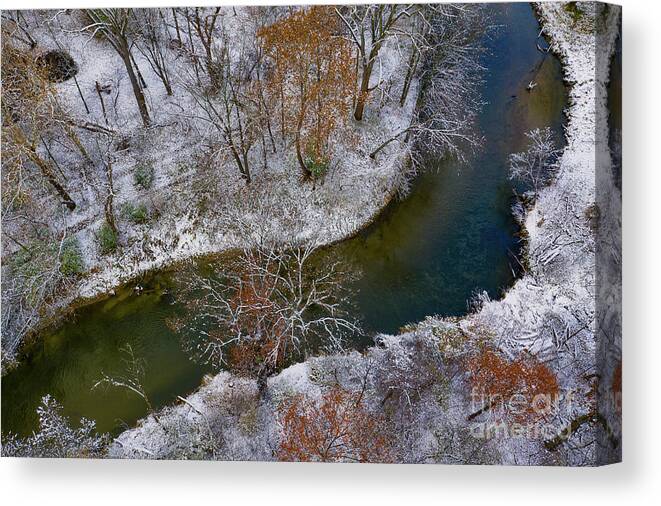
[78,143]
[299,157]
[413,64]
[44,166]
[386,142]
[143,83]
[246,168]
[137,90]
[75,80]
[262,381]
[110,198]
[364,90]
[176,26]
[299,153]
[266,109]
[483,409]
[166,84]
[239,162]
[47,172]
[103,105]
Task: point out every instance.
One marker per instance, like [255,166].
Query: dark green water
[68,362]
[455,234]
[426,255]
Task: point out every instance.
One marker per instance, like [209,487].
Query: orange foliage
[312,77]
[258,317]
[524,381]
[246,358]
[335,429]
[252,306]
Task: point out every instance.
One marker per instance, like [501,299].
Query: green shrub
[71,259]
[107,239]
[20,259]
[317,165]
[135,214]
[39,255]
[144,176]
[574,11]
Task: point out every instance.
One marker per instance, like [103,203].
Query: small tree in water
[132,380]
[255,316]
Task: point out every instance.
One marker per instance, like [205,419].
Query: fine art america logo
[552,418]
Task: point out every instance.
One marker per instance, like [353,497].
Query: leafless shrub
[405,369]
[536,166]
[56,437]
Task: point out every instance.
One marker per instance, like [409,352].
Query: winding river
[452,236]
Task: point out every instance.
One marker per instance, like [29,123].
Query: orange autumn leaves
[524,387]
[256,315]
[337,428]
[312,77]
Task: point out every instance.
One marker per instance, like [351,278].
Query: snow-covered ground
[553,313]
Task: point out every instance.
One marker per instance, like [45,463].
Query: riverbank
[552,312]
[549,313]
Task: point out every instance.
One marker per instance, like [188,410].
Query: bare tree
[30,281]
[450,78]
[205,23]
[405,369]
[368,27]
[114,25]
[56,437]
[18,28]
[264,311]
[104,144]
[536,165]
[29,109]
[31,114]
[152,43]
[229,102]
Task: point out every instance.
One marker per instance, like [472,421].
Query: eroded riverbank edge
[559,280]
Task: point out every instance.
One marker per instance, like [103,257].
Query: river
[427,254]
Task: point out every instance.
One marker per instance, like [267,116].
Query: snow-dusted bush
[35,274]
[143,176]
[334,428]
[107,239]
[405,369]
[56,437]
[71,259]
[137,214]
[536,166]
